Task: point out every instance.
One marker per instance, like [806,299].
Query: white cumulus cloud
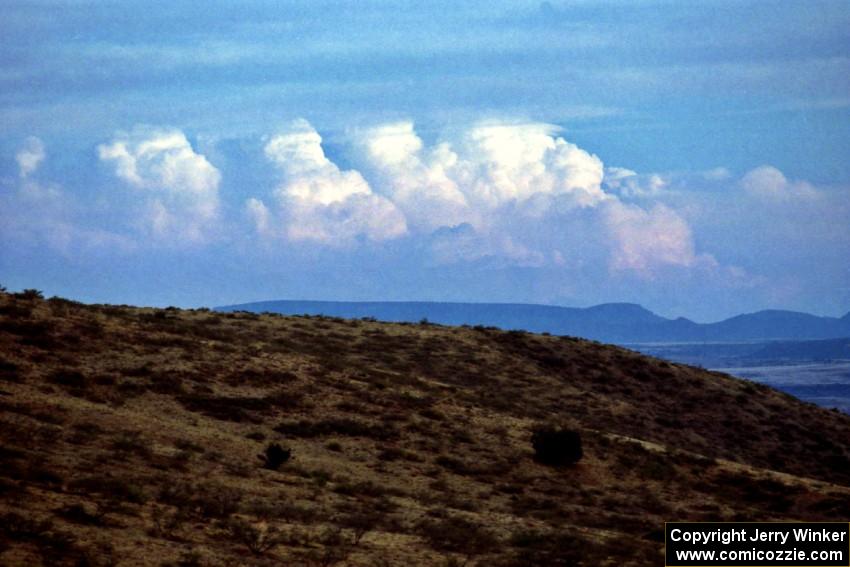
[41,212]
[645,240]
[317,200]
[418,181]
[515,191]
[487,167]
[515,162]
[30,156]
[502,193]
[260,215]
[627,183]
[495,178]
[767,182]
[463,244]
[182,184]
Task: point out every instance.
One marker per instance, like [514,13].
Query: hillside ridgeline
[610,322]
[132,435]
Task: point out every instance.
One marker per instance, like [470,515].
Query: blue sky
[689,156]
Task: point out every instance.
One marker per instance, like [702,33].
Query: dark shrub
[55,546]
[71,379]
[167,522]
[188,445]
[456,535]
[15,310]
[454,465]
[556,446]
[363,489]
[275,456]
[361,523]
[205,500]
[80,514]
[30,294]
[558,549]
[257,539]
[237,409]
[342,427]
[335,548]
[9,371]
[552,361]
[33,333]
[131,443]
[115,489]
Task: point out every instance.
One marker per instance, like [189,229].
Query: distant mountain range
[610,322]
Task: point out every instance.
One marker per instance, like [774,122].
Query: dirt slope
[131,436]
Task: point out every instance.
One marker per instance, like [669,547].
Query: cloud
[761,228]
[488,166]
[463,243]
[516,162]
[645,240]
[716,174]
[319,202]
[629,184]
[485,167]
[418,181]
[42,213]
[515,191]
[30,156]
[182,185]
[308,173]
[767,182]
[36,211]
[39,212]
[508,194]
[260,215]
[494,180]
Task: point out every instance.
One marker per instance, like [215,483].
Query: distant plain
[799,368]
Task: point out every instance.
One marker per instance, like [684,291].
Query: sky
[688,156]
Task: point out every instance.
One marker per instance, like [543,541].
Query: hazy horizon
[690,158]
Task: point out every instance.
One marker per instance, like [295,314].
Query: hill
[610,322]
[132,435]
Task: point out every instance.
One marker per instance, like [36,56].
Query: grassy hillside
[131,436]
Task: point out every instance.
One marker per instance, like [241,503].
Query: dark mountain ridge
[610,322]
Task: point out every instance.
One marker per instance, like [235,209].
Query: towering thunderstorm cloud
[476,194]
[181,186]
[316,200]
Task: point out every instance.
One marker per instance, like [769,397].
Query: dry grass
[135,437]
